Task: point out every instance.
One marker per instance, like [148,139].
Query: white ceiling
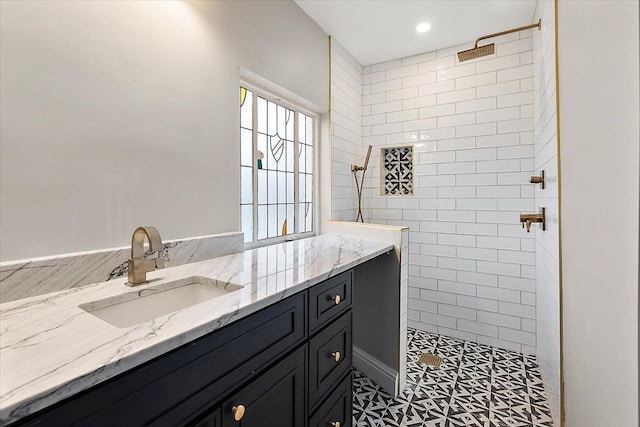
[375,31]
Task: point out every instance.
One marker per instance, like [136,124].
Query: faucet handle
[160,259]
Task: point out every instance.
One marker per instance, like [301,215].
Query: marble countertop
[51,349]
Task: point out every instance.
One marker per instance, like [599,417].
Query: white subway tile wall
[346,129]
[472,266]
[546,296]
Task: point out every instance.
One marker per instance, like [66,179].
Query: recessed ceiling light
[423,27]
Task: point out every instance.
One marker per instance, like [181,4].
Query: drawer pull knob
[335,423]
[238,412]
[336,355]
[336,299]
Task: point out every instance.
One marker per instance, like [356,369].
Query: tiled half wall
[28,278]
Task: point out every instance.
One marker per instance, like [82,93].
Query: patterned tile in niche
[476,385]
[397,170]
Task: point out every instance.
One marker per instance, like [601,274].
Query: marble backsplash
[28,278]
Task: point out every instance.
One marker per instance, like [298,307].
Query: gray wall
[599,134]
[115,114]
[376,307]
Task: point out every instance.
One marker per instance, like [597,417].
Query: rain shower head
[489,49]
[476,52]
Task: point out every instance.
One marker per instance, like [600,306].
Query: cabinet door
[337,410]
[276,398]
[211,420]
[330,355]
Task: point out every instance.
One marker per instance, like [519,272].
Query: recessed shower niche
[397,167]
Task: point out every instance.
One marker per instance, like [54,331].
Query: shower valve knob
[538,179]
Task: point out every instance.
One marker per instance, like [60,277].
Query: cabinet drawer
[338,408]
[276,398]
[329,299]
[329,358]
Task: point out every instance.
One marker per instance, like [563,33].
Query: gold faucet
[139,266]
[528,219]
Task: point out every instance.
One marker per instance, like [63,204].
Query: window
[276,168]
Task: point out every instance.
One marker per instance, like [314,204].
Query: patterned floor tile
[475,386]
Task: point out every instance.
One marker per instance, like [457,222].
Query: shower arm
[502,33]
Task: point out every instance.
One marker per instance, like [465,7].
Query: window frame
[279,100]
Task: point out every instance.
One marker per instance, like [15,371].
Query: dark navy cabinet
[285,365]
[276,398]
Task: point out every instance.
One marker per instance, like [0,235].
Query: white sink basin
[145,304]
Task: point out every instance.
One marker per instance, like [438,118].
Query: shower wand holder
[360,185]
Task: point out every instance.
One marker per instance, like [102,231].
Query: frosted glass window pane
[273,221]
[301,220]
[302,166]
[262,115]
[268,155]
[271,119]
[262,187]
[262,147]
[301,128]
[302,187]
[289,154]
[309,217]
[282,187]
[309,190]
[290,219]
[282,216]
[290,188]
[281,118]
[309,159]
[247,222]
[262,222]
[272,194]
[276,147]
[309,130]
[246,110]
[290,122]
[246,185]
[246,147]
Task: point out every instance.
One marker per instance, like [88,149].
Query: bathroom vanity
[282,340]
[239,373]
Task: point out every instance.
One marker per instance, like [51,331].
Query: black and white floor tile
[476,385]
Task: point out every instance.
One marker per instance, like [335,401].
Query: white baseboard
[378,372]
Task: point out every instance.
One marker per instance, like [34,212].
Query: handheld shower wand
[359,185]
